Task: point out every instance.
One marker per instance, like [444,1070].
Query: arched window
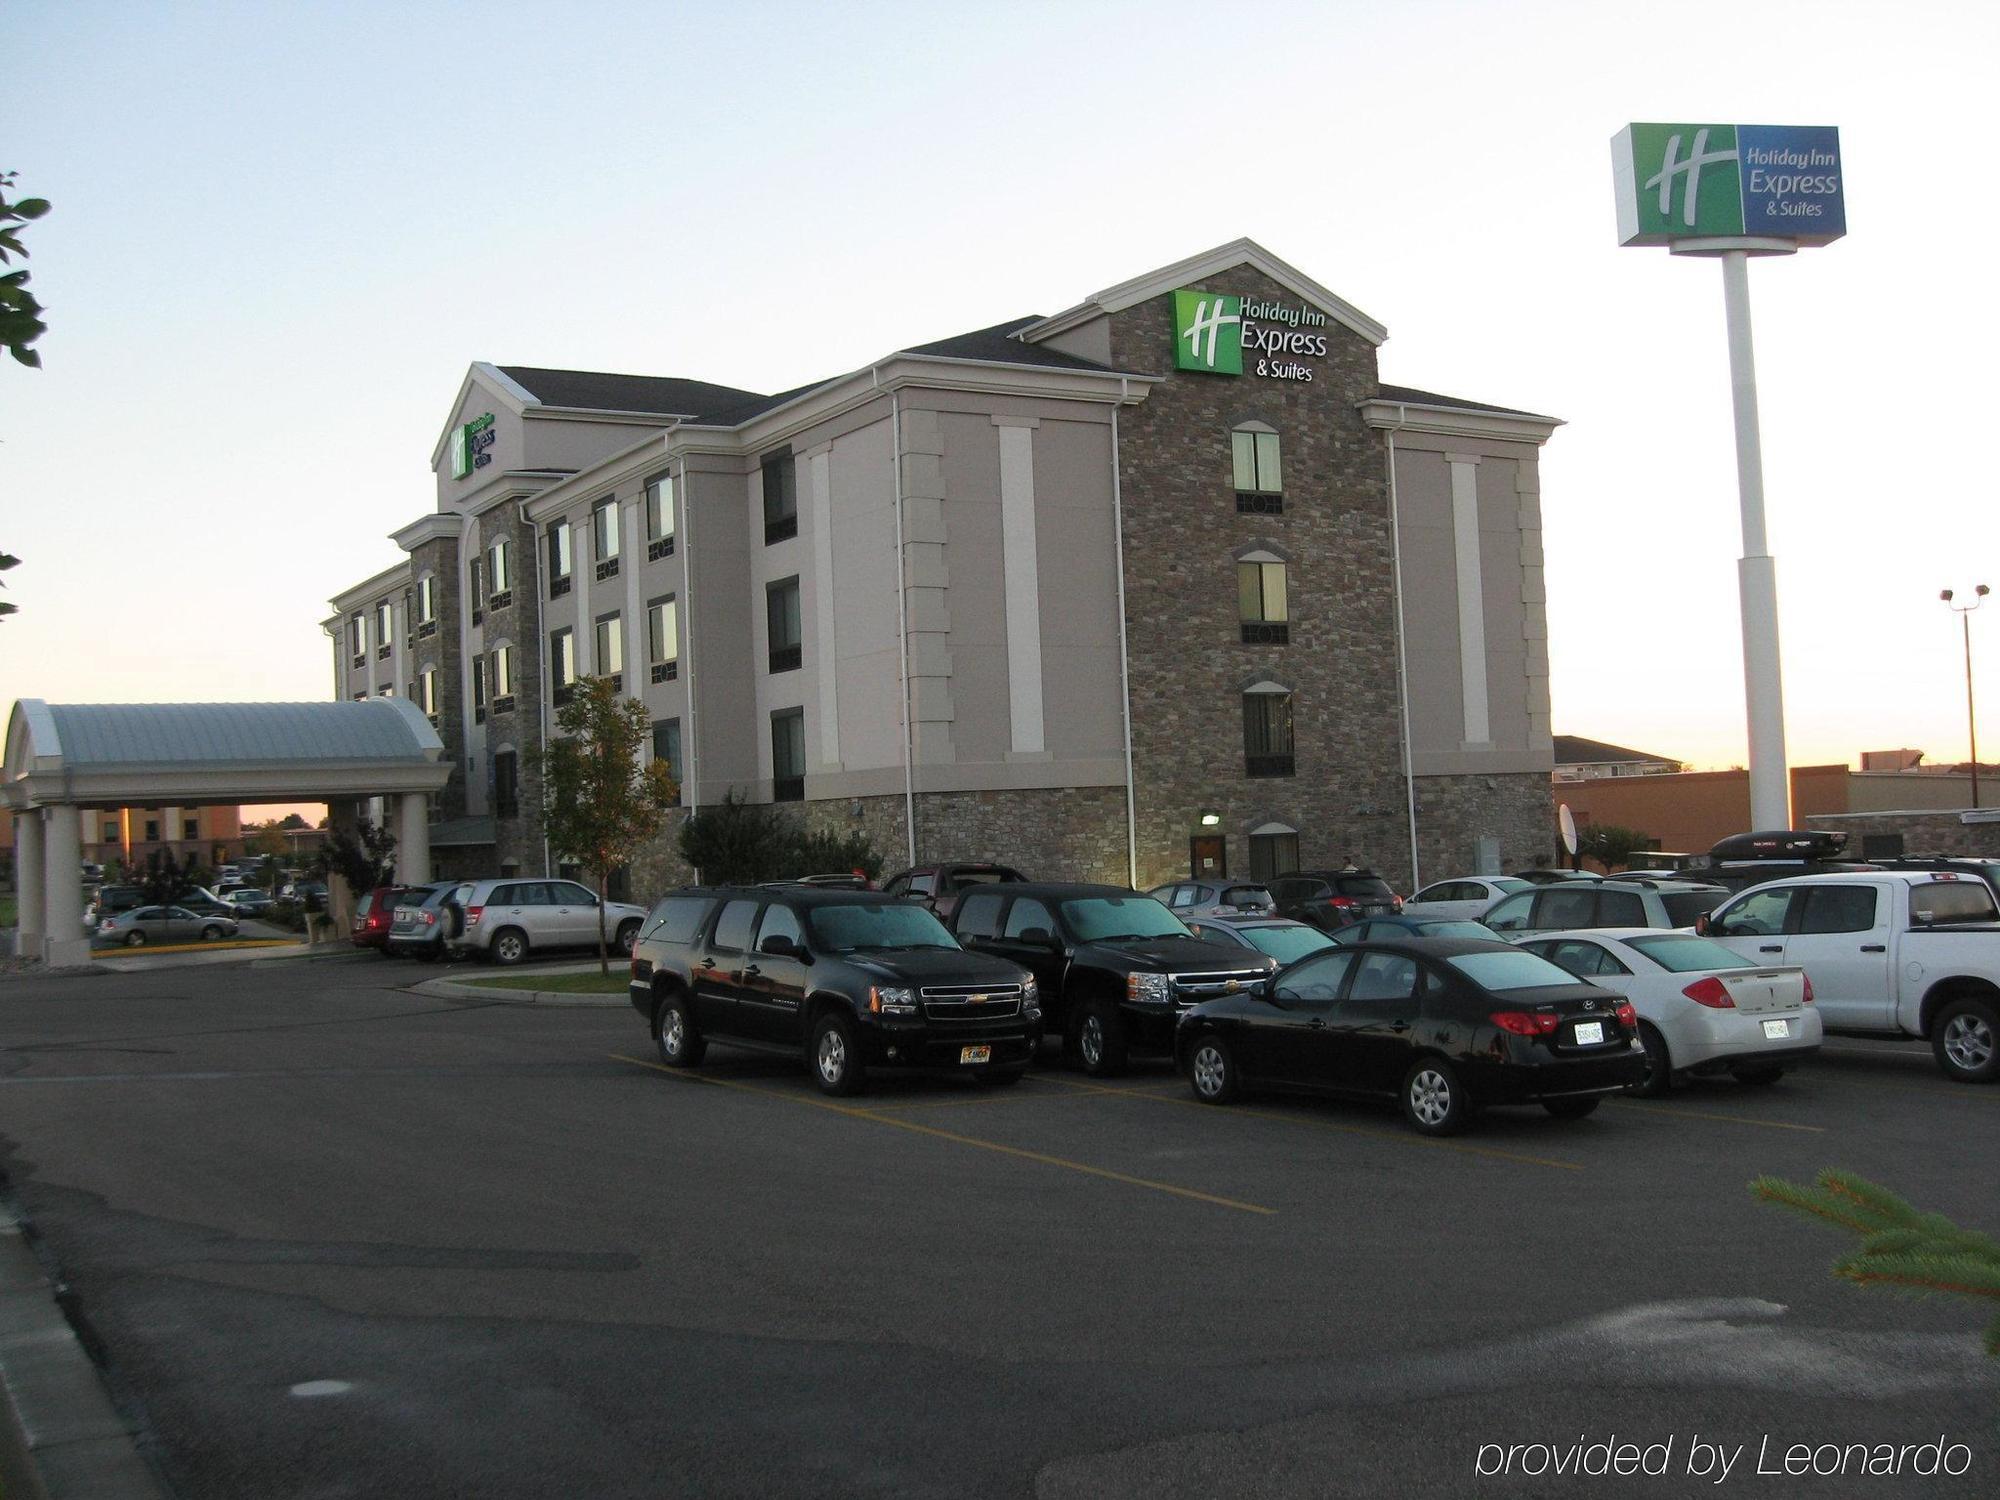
[1267,730]
[1263,602]
[1274,850]
[1260,485]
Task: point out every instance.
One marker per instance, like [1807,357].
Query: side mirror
[780,946]
[1282,998]
[1037,935]
[1701,924]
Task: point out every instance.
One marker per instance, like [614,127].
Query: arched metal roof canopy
[184,754]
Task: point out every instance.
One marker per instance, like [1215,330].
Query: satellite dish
[1568,826]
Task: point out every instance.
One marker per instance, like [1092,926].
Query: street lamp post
[1964,613]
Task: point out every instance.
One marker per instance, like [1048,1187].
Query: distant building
[1892,760]
[1579,759]
[132,834]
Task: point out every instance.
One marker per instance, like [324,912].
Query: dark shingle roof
[1574,750]
[997,345]
[737,413]
[592,390]
[1431,398]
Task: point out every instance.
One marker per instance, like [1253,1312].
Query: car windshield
[1684,906]
[1680,953]
[1453,929]
[1287,943]
[876,925]
[1512,971]
[1509,883]
[1247,895]
[1102,919]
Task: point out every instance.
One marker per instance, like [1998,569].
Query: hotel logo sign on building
[1212,331]
[1681,182]
[471,446]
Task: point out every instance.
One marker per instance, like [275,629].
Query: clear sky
[281,232]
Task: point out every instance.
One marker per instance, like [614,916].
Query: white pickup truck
[1915,952]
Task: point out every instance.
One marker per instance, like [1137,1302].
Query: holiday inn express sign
[1683,182]
[1212,331]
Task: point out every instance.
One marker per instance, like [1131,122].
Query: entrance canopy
[184,754]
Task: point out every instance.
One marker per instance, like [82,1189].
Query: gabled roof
[1574,750]
[1416,397]
[1002,345]
[595,390]
[1185,273]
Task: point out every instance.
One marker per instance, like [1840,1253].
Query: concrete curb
[449,989]
[60,1437]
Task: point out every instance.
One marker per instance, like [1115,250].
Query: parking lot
[337,1238]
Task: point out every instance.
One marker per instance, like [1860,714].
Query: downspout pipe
[1403,651]
[521,509]
[1124,655]
[903,635]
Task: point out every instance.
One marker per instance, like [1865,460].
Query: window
[979,916]
[475,572]
[506,786]
[427,600]
[152,831]
[427,691]
[611,649]
[1261,602]
[667,745]
[1267,732]
[1950,901]
[659,517]
[1318,980]
[503,678]
[780,921]
[663,639]
[678,918]
[560,559]
[1565,909]
[562,665]
[385,628]
[1273,854]
[1759,914]
[1030,921]
[190,829]
[386,690]
[112,834]
[499,575]
[1838,908]
[1620,909]
[734,926]
[604,536]
[1259,483]
[781,498]
[1511,915]
[357,645]
[478,689]
[781,606]
[788,755]
[1384,976]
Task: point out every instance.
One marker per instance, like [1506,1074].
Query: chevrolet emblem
[1232,986]
[976,999]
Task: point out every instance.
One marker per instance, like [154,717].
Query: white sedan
[1702,1009]
[1462,899]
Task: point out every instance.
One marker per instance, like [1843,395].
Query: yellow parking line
[997,1096]
[1676,1111]
[1964,1093]
[1407,1138]
[877,1117]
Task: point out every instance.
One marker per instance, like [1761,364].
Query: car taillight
[1808,983]
[473,914]
[1340,901]
[1395,903]
[1526,1022]
[1628,1016]
[428,918]
[1711,992]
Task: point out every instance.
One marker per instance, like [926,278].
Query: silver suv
[1215,898]
[1570,905]
[509,919]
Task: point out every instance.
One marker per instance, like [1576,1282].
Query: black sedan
[1443,1025]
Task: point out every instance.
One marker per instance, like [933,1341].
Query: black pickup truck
[1116,969]
[843,980]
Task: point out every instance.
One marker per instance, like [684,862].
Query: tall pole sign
[1731,192]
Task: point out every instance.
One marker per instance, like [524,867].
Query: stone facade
[1923,833]
[441,651]
[517,841]
[1454,813]
[1188,665]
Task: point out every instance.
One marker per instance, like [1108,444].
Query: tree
[603,792]
[359,857]
[292,822]
[165,879]
[1610,845]
[20,314]
[740,843]
[1923,1254]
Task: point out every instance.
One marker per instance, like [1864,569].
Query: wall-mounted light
[1209,819]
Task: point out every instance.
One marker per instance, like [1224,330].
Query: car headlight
[892,1001]
[1031,999]
[1149,989]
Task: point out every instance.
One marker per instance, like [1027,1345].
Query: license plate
[1777,1030]
[975,1054]
[1589,1032]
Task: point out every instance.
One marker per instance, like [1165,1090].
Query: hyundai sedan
[1443,1026]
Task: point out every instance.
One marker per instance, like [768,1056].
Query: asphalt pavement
[336,1239]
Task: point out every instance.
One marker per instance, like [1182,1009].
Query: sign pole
[1756,570]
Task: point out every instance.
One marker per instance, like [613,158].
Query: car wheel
[428,954]
[1659,1077]
[1000,1078]
[1212,1071]
[1100,1040]
[628,935]
[1757,1077]
[211,933]
[1572,1109]
[510,946]
[135,939]
[836,1060]
[675,1036]
[1433,1098]
[1966,1040]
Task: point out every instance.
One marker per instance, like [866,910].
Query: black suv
[1331,899]
[844,980]
[1115,968]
